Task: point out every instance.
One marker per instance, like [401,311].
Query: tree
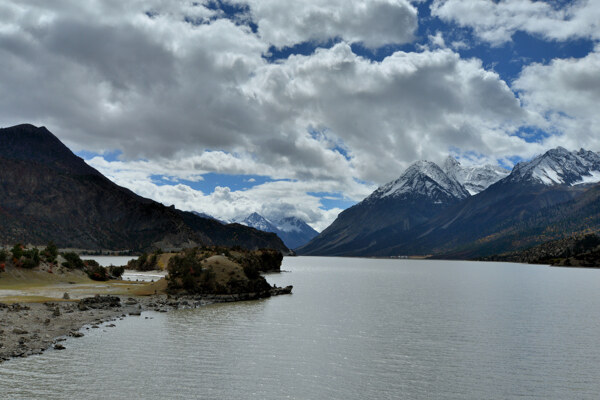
[50,253]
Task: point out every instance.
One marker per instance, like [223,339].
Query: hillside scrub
[217,270]
[51,261]
[145,262]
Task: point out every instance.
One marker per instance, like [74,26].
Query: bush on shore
[72,261]
[25,258]
[145,262]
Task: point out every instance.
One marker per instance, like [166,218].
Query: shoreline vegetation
[46,296]
[581,251]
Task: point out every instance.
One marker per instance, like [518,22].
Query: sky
[291,108]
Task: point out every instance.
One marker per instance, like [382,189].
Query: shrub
[17,251]
[50,253]
[28,263]
[97,272]
[73,261]
[251,272]
[115,272]
[144,262]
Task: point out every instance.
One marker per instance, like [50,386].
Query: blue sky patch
[211,180]
[112,155]
[332,200]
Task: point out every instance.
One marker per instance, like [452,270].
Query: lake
[352,329]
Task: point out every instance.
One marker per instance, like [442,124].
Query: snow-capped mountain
[474,178]
[292,230]
[423,178]
[255,220]
[428,210]
[390,212]
[559,167]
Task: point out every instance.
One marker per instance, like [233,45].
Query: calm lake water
[353,329]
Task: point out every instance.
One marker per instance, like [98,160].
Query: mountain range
[47,193]
[292,230]
[464,212]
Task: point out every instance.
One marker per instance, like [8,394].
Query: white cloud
[437,40]
[275,199]
[496,22]
[409,106]
[565,95]
[374,23]
[182,99]
[272,199]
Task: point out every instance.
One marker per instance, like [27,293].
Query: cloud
[497,22]
[182,90]
[373,23]
[274,200]
[565,95]
[407,107]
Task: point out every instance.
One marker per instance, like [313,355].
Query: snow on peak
[474,178]
[423,178]
[560,167]
[290,224]
[255,220]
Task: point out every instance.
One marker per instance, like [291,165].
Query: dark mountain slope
[546,198]
[490,221]
[48,193]
[424,213]
[421,193]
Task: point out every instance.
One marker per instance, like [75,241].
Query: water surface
[353,329]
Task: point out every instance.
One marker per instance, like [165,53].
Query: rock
[59,346]
[66,296]
[76,334]
[135,312]
[56,312]
[19,331]
[98,301]
[277,290]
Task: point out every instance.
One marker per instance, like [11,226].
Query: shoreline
[32,328]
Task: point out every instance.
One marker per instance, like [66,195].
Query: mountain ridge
[513,211]
[49,194]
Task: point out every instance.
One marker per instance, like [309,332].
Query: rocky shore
[32,328]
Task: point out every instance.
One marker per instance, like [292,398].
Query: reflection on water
[107,261]
[353,329]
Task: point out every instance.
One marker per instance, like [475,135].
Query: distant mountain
[553,195]
[293,231]
[419,194]
[49,194]
[559,167]
[257,221]
[475,179]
